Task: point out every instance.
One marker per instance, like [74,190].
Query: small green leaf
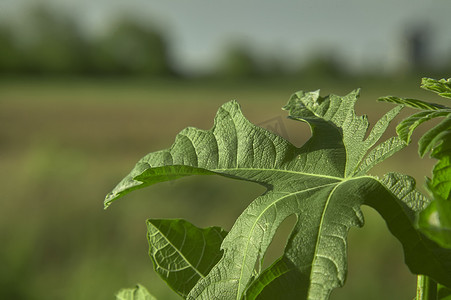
[137,293]
[407,126]
[182,253]
[435,136]
[413,103]
[440,185]
[441,87]
[435,222]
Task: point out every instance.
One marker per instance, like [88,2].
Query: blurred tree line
[56,46]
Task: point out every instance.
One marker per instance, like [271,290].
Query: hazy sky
[362,32]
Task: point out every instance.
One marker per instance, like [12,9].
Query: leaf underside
[323,183]
[193,251]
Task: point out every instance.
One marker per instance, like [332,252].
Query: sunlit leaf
[323,183]
[413,103]
[441,87]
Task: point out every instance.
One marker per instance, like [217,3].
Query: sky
[363,33]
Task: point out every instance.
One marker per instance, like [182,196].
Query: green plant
[435,220]
[323,183]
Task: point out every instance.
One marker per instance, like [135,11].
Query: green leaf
[441,87]
[137,293]
[398,202]
[182,253]
[440,184]
[337,111]
[438,134]
[321,183]
[407,126]
[435,221]
[413,103]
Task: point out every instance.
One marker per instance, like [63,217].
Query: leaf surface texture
[323,183]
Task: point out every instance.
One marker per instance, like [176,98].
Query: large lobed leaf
[323,183]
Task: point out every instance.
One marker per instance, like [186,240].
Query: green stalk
[426,288]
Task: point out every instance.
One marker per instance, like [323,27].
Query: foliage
[131,49]
[239,63]
[137,293]
[435,220]
[57,45]
[323,183]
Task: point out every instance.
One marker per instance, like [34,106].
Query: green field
[66,143]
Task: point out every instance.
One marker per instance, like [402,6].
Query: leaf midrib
[258,218]
[315,257]
[324,211]
[223,170]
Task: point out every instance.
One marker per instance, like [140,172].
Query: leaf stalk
[426,288]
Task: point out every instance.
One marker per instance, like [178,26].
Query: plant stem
[426,288]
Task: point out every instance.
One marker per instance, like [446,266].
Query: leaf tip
[109,199]
[356,92]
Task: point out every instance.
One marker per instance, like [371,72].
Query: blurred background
[89,87]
